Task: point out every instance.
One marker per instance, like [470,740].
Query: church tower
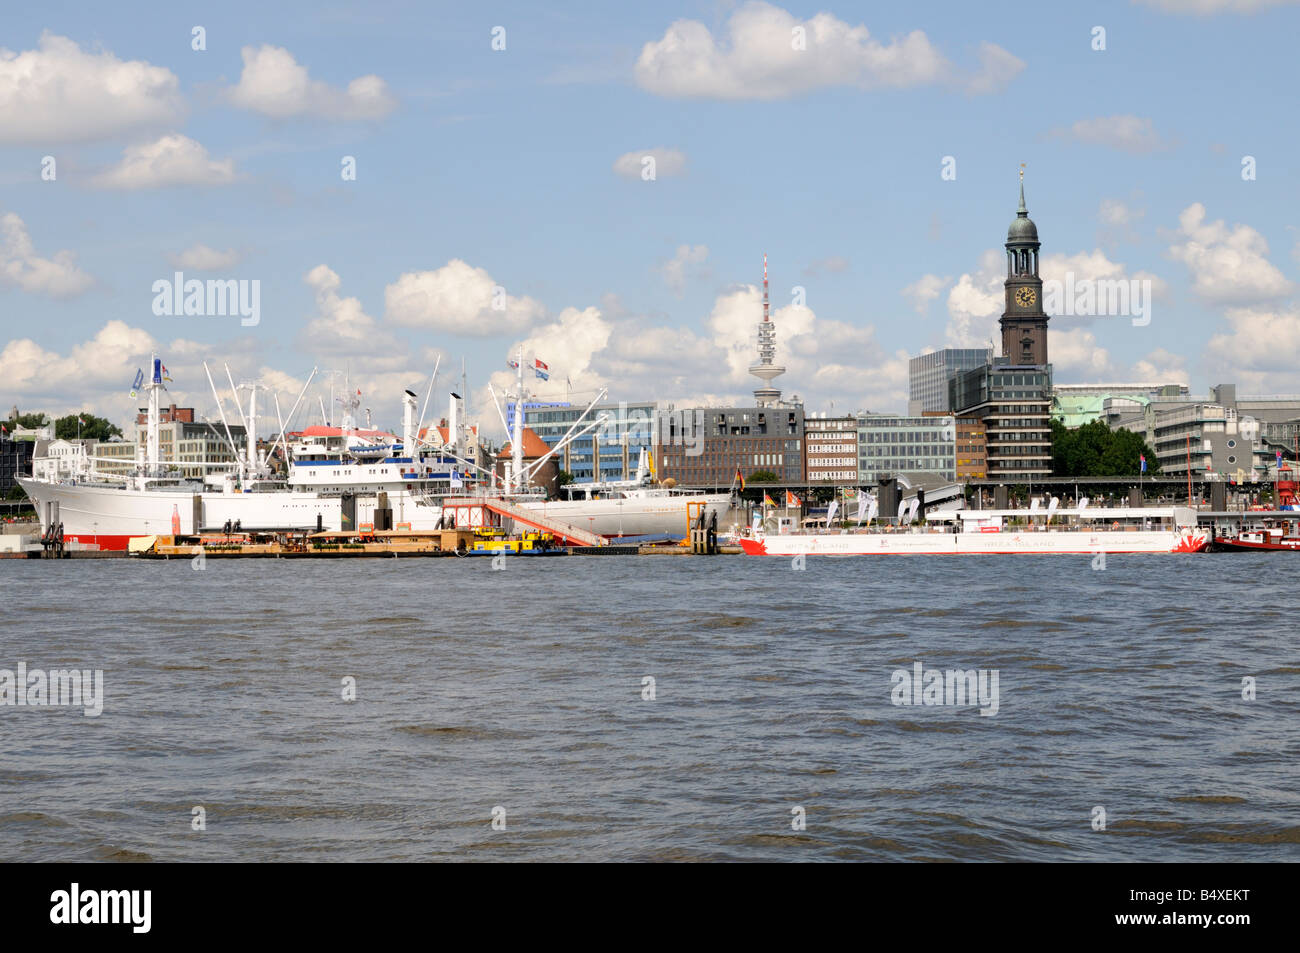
[1024,323]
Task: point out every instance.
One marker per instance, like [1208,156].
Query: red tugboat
[1267,537]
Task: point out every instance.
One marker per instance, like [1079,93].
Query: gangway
[464,511]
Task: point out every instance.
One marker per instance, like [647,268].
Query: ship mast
[517,441]
[152,462]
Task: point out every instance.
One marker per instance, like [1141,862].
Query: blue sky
[478,168]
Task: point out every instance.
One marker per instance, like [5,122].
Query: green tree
[564,478]
[1094,450]
[94,428]
[762,476]
[28,421]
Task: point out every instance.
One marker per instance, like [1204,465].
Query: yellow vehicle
[489,541]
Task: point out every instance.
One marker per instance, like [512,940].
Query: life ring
[1115,525]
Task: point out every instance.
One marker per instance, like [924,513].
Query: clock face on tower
[1025,297]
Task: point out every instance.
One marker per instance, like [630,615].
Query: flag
[514,364]
[830,511]
[139,382]
[791,499]
[82,421]
[3,429]
[537,371]
[768,501]
[1279,459]
[850,493]
[1143,458]
[164,372]
[540,365]
[740,479]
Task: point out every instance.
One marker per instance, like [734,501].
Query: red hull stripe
[102,540]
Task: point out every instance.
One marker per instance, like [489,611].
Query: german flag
[768,501]
[740,479]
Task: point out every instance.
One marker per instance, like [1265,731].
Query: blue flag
[139,382]
[541,373]
[1143,458]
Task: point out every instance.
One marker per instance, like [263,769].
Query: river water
[523,691]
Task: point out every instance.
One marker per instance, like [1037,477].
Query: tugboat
[1269,538]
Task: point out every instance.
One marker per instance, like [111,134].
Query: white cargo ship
[337,479]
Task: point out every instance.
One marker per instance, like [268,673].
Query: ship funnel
[408,424]
[453,423]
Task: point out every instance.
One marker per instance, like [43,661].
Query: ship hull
[634,516]
[107,518]
[973,544]
[1244,546]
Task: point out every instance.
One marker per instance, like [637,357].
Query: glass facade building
[888,446]
[928,376]
[630,422]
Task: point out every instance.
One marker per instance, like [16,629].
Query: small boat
[1269,539]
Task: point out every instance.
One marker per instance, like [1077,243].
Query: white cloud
[1089,267]
[1117,213]
[342,327]
[20,266]
[202,258]
[59,93]
[458,299]
[1211,7]
[1161,366]
[173,160]
[832,265]
[975,301]
[1075,353]
[274,84]
[667,162]
[924,290]
[108,360]
[997,69]
[1228,265]
[759,58]
[674,269]
[1127,133]
[1262,347]
[637,358]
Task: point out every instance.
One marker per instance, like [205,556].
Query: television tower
[764,369]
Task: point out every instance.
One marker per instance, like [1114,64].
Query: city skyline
[481,180]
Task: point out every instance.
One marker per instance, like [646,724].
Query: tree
[94,428]
[26,421]
[1094,450]
[563,479]
[762,476]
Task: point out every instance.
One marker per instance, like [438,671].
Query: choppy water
[523,689]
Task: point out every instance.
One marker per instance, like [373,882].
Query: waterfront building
[1226,436]
[610,452]
[1074,405]
[705,446]
[928,376]
[831,449]
[1011,398]
[15,461]
[892,445]
[195,448]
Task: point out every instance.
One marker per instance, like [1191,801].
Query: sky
[412,184]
